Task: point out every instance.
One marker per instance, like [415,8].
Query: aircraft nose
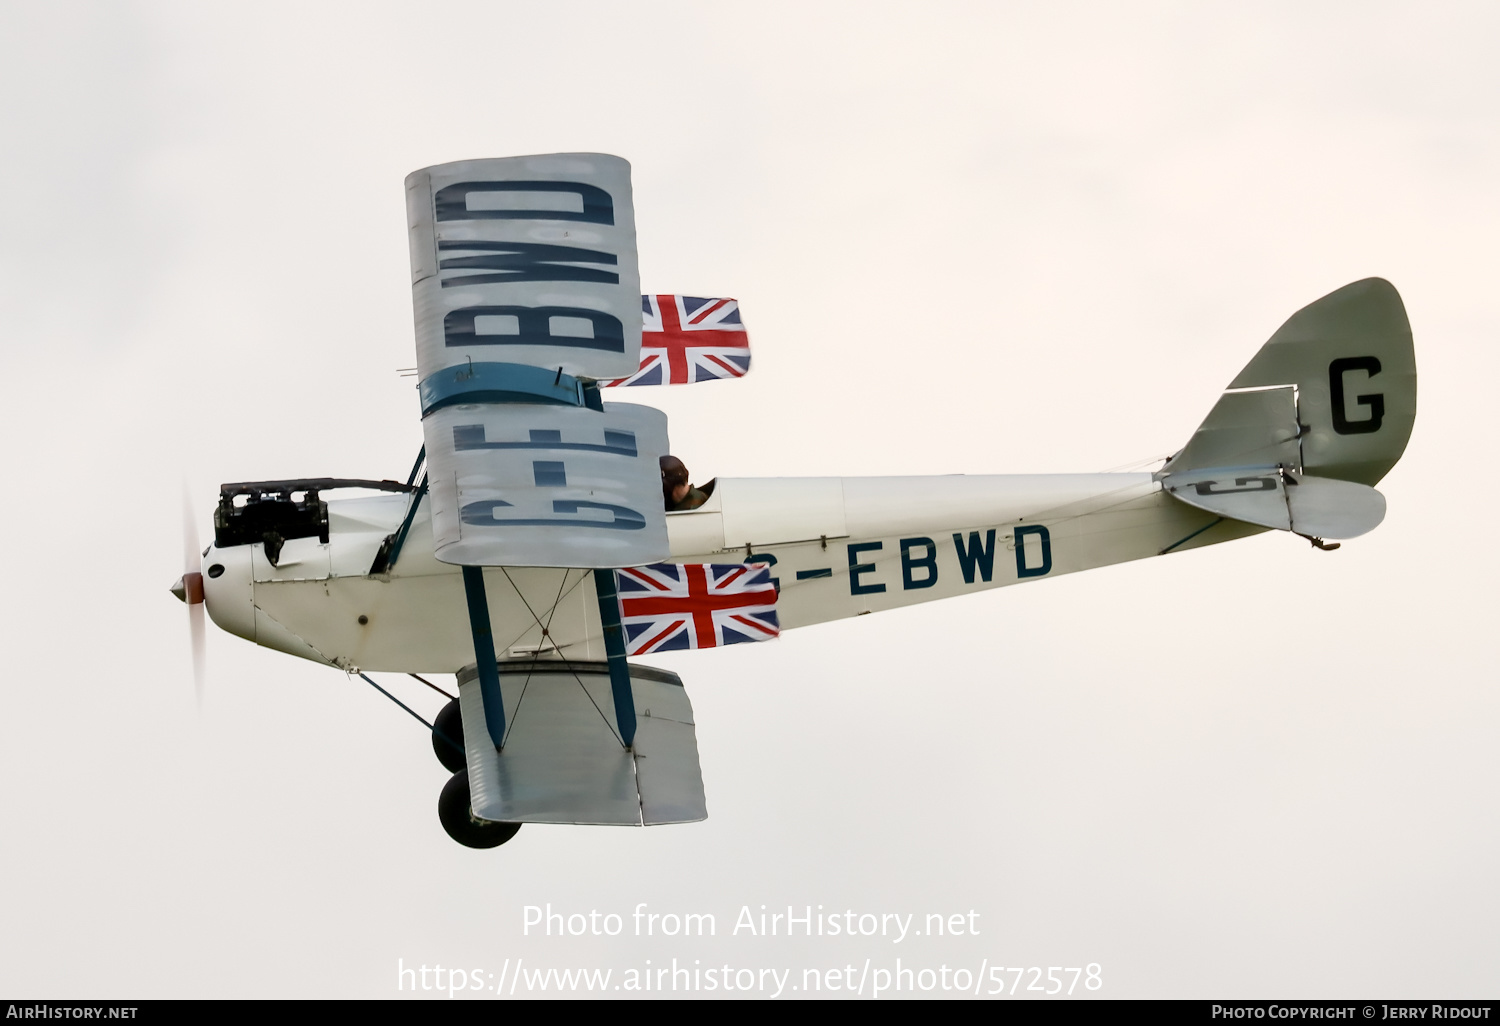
[226,585]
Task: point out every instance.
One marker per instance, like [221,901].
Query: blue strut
[484,654]
[614,650]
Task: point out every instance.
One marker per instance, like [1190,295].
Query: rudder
[1333,393]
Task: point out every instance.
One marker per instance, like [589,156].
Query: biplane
[530,552]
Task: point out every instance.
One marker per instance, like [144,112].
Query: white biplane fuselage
[534,546]
[838,547]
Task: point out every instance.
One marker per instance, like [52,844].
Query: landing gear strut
[458,818]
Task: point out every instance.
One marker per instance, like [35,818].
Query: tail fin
[1333,393]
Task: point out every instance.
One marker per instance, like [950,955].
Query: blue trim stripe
[498,383]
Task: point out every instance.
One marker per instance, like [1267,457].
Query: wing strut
[484,654]
[614,650]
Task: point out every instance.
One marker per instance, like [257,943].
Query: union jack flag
[667,606]
[686,339]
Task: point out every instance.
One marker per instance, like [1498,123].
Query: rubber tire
[458,819]
[451,722]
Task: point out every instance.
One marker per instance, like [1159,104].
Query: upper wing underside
[525,292]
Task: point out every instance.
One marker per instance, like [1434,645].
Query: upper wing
[535,485]
[526,260]
[525,291]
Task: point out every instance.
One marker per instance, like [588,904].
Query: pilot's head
[674,480]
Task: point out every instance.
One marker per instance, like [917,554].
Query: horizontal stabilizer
[1318,507]
[562,761]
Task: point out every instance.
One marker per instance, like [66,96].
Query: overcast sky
[979,238]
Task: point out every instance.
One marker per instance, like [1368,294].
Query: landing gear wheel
[458,819]
[449,723]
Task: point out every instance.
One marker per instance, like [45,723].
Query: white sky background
[966,238]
